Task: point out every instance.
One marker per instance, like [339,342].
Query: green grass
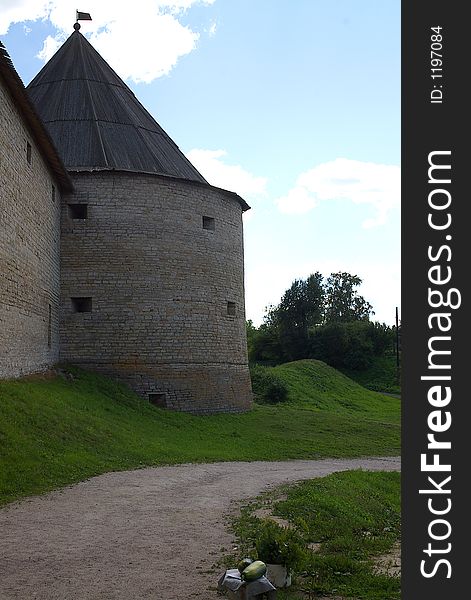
[354,515]
[315,385]
[380,377]
[57,431]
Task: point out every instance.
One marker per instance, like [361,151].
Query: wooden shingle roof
[96,121]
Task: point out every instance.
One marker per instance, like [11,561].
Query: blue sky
[294,105]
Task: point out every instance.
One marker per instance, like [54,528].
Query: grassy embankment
[56,431]
[351,518]
[314,385]
[380,377]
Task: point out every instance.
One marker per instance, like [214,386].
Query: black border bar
[436,259]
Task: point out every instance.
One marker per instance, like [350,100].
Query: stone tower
[151,254]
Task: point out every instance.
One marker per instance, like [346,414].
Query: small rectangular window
[81,305]
[28,153]
[158,399]
[231,309]
[49,327]
[209,223]
[78,211]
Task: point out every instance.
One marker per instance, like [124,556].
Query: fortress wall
[161,289]
[29,250]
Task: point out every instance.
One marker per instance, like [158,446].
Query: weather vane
[81,16]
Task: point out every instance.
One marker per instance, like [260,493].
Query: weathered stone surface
[160,284]
[29,250]
[135,275]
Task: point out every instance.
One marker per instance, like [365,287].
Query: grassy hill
[315,385]
[380,377]
[63,428]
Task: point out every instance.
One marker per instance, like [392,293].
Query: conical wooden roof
[95,120]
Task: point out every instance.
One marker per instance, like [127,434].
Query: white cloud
[229,177]
[297,201]
[50,46]
[141,40]
[212,29]
[17,11]
[351,180]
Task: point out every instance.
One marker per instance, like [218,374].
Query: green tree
[252,332]
[301,308]
[343,304]
[350,345]
[264,344]
[321,319]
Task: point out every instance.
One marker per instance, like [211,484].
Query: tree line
[326,319]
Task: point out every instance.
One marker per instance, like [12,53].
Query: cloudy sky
[295,105]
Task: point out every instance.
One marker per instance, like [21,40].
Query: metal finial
[76,26]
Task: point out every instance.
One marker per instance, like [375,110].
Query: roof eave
[233,195]
[33,121]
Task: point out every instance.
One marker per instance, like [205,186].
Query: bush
[267,387]
[383,338]
[264,345]
[330,343]
[279,546]
[350,345]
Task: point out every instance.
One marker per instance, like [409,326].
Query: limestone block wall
[29,250]
[152,288]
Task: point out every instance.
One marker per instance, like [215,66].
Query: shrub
[330,343]
[267,387]
[264,345]
[279,546]
[350,345]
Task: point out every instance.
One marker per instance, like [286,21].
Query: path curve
[132,535]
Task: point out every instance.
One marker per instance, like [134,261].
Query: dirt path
[132,535]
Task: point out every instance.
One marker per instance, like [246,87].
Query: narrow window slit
[78,211]
[82,304]
[49,327]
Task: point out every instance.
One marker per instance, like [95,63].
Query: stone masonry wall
[161,289]
[29,250]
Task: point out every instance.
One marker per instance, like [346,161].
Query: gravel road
[133,535]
